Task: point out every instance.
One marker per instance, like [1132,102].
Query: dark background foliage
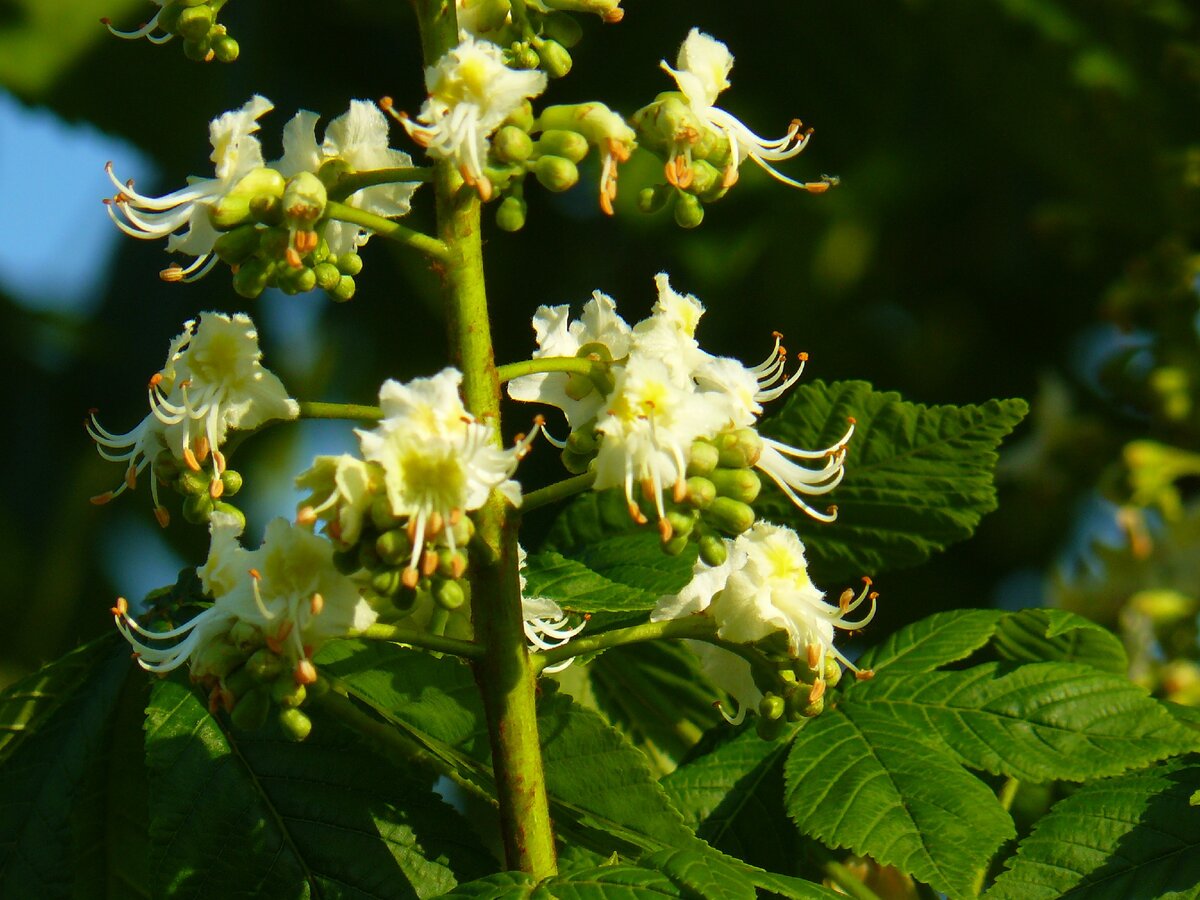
[1003,165]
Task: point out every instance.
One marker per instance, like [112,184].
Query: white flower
[546,625]
[438,460]
[471,93]
[342,491]
[702,72]
[359,138]
[286,594]
[649,423]
[763,587]
[669,333]
[183,214]
[558,335]
[213,381]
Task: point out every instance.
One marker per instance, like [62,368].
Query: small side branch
[356,181]
[359,412]
[560,490]
[698,628]
[571,364]
[393,231]
[423,639]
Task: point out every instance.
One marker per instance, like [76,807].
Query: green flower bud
[274,243]
[689,211]
[327,275]
[245,636]
[168,18]
[381,513]
[349,263]
[675,545]
[250,714]
[654,199]
[740,484]
[231,481]
[739,449]
[681,523]
[510,214]
[705,176]
[344,290]
[703,458]
[701,492]
[304,200]
[234,208]
[768,729]
[556,173]
[562,28]
[609,10]
[251,278]
[237,246]
[191,483]
[220,658]
[286,693]
[225,49]
[512,145]
[522,116]
[368,557]
[332,171]
[582,440]
[452,564]
[194,22]
[832,671]
[266,209]
[570,145]
[729,515]
[815,708]
[387,582]
[197,51]
[771,706]
[264,665]
[230,510]
[297,281]
[197,508]
[296,725]
[576,463]
[578,386]
[464,530]
[394,547]
[449,594]
[555,58]
[713,550]
[522,56]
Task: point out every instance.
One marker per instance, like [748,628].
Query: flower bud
[266,209]
[264,665]
[237,246]
[304,201]
[274,242]
[197,508]
[570,145]
[512,145]
[463,530]
[729,515]
[676,545]
[703,458]
[705,176]
[194,23]
[387,583]
[234,207]
[297,281]
[296,725]
[220,658]
[522,116]
[510,214]
[168,18]
[815,708]
[739,449]
[452,564]
[449,594]
[381,513]
[689,211]
[701,492]
[250,714]
[245,637]
[653,199]
[286,693]
[349,263]
[713,550]
[368,557]
[562,28]
[225,48]
[582,440]
[771,706]
[394,547]
[556,173]
[344,290]
[554,57]
[522,56]
[740,484]
[251,278]
[832,672]
[197,51]
[578,386]
[768,729]
[230,510]
[333,170]
[681,523]
[327,276]
[609,10]
[576,463]
[191,483]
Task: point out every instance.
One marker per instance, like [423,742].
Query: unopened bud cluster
[194,22]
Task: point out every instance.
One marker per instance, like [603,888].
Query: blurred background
[1017,216]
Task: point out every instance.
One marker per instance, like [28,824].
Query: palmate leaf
[588,565]
[1037,635]
[864,782]
[918,478]
[72,795]
[326,818]
[933,642]
[1131,836]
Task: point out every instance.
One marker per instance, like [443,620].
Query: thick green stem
[504,672]
[393,231]
[316,409]
[417,637]
[560,490]
[575,364]
[356,181]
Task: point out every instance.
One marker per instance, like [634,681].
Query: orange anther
[636,514]
[162,516]
[680,491]
[306,515]
[867,580]
[802,356]
[665,531]
[190,459]
[202,448]
[818,690]
[851,420]
[458,565]
[455,517]
[436,523]
[255,574]
[131,478]
[156,379]
[305,672]
[101,499]
[218,460]
[729,178]
[613,16]
[409,578]
[865,675]
[813,653]
[429,562]
[171,274]
[121,607]
[216,488]
[844,600]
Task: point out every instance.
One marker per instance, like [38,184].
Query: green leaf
[619,882]
[918,478]
[587,566]
[323,818]
[68,795]
[1038,722]
[860,779]
[732,797]
[702,873]
[929,643]
[500,886]
[1042,635]
[1131,836]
